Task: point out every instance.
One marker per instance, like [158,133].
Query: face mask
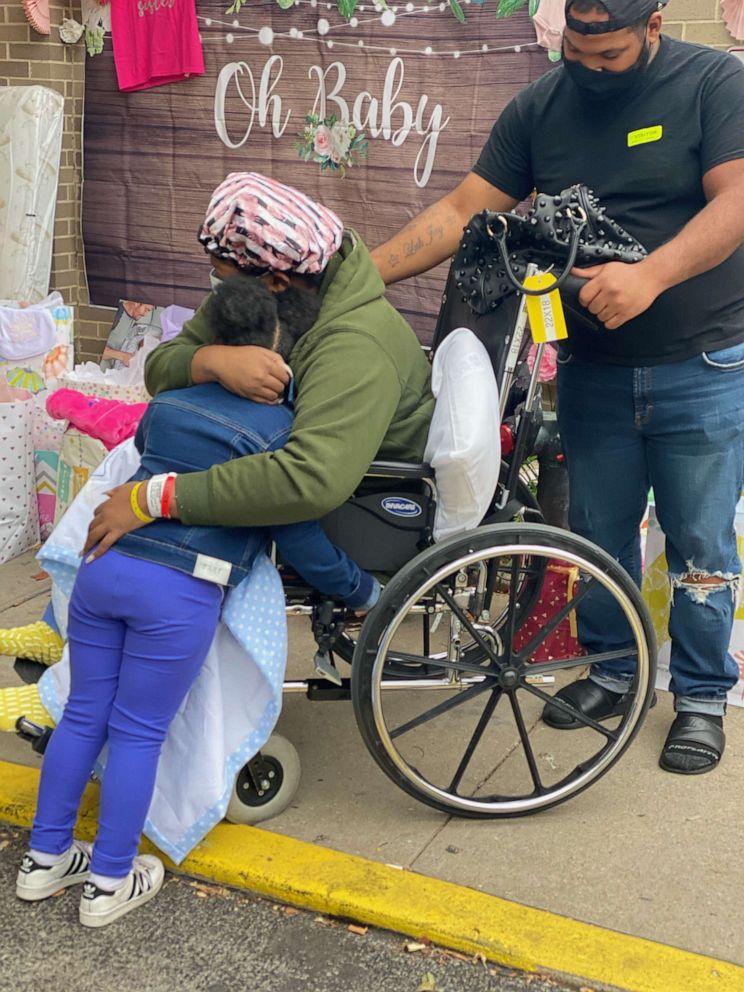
[214,280]
[603,85]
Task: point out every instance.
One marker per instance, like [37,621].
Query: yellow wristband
[136,507]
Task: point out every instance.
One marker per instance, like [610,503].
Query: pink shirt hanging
[155,42]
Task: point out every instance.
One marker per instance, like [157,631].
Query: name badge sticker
[645,136]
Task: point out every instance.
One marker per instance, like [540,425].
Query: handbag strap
[499,237]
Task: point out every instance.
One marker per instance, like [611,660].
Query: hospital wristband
[155,494]
[134,503]
[169,490]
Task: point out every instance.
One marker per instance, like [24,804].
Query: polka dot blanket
[234,703]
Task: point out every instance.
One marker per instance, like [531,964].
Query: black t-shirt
[691,100]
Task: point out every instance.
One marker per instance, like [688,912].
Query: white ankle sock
[107,883]
[47,860]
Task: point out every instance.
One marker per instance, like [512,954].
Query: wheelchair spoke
[580,661]
[449,704]
[511,616]
[467,624]
[565,708]
[556,621]
[476,738]
[528,752]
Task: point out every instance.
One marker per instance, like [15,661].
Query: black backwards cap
[623,13]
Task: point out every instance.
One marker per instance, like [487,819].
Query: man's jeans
[678,428]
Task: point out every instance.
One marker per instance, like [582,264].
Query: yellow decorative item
[23,378]
[36,641]
[20,701]
[547,320]
[139,514]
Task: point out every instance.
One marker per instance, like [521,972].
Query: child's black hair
[244,311]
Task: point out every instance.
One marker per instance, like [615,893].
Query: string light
[388,16]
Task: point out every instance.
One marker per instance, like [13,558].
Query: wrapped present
[657,593]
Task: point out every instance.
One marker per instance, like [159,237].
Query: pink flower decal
[333,144]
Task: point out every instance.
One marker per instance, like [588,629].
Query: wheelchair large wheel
[473,742]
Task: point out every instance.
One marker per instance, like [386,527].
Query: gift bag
[46,464]
[131,393]
[79,456]
[19,519]
[559,588]
[134,323]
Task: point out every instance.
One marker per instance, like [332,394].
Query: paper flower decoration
[333,144]
[71,31]
[55,363]
[37,15]
[733,17]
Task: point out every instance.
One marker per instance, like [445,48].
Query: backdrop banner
[423,88]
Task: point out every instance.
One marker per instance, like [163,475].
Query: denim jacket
[190,430]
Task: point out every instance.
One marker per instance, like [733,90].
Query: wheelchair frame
[378,672]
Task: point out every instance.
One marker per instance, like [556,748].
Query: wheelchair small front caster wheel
[267,784]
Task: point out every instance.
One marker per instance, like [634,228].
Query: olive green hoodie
[362,391]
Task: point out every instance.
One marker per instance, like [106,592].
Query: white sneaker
[36,881]
[98,908]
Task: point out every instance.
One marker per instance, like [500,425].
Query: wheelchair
[447,690]
[447,696]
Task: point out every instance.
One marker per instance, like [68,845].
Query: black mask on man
[602,85]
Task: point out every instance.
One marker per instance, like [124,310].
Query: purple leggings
[138,634]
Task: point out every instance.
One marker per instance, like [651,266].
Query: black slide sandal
[692,738]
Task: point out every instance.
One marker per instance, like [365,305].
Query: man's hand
[112,519]
[255,373]
[617,292]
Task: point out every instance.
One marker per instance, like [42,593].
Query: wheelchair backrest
[495,329]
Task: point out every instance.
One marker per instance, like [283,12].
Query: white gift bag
[19,515]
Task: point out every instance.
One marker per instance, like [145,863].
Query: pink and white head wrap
[261,224]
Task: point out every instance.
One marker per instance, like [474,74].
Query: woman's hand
[255,373]
[111,520]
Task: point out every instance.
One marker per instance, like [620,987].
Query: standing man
[656,128]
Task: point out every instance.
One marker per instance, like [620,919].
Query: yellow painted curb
[343,885]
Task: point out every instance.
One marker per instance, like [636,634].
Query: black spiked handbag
[557,233]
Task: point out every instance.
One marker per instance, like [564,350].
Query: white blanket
[233,705]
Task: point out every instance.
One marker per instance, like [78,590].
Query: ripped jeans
[678,428]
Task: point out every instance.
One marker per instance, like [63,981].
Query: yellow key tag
[547,320]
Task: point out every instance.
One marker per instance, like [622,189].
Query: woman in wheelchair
[142,615]
[453,619]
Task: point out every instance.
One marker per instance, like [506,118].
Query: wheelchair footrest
[326,669]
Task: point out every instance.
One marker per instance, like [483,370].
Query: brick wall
[26,57]
[699,21]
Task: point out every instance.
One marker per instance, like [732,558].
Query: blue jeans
[138,635]
[678,428]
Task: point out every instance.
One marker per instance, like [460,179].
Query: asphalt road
[196,937]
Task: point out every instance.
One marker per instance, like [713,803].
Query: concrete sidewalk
[641,852]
